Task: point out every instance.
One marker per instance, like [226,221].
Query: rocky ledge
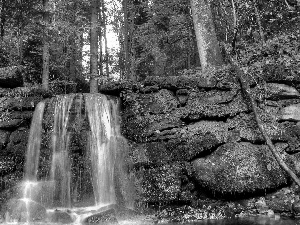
[194,136]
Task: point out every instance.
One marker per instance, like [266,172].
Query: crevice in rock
[206,153]
[189,121]
[204,192]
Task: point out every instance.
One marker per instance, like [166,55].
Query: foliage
[164,41]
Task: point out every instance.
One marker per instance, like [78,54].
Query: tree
[208,47]
[94,47]
[126,39]
[46,56]
[2,18]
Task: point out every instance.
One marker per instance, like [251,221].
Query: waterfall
[81,179]
[103,146]
[34,143]
[60,167]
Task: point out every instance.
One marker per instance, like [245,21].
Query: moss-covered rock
[214,105]
[160,184]
[240,168]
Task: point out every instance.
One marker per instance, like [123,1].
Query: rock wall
[196,134]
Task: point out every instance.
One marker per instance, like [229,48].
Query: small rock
[261,206]
[270,213]
[290,113]
[296,207]
[60,217]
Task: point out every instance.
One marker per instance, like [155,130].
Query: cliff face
[188,135]
[196,133]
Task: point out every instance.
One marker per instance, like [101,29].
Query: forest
[49,38]
[203,97]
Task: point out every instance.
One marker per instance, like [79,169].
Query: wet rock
[59,217]
[106,218]
[11,77]
[239,168]
[290,113]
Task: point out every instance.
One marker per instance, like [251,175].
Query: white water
[59,190]
[34,143]
[103,146]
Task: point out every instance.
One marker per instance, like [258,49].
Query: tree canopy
[156,38]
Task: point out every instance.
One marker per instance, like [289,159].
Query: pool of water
[255,220]
[261,220]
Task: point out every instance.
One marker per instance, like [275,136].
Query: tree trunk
[45,75]
[131,49]
[208,47]
[73,46]
[261,32]
[2,19]
[72,60]
[126,44]
[100,57]
[105,39]
[94,47]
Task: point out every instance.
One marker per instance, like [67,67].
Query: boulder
[11,77]
[60,217]
[106,218]
[240,168]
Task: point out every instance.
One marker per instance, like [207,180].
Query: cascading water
[103,146]
[80,181]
